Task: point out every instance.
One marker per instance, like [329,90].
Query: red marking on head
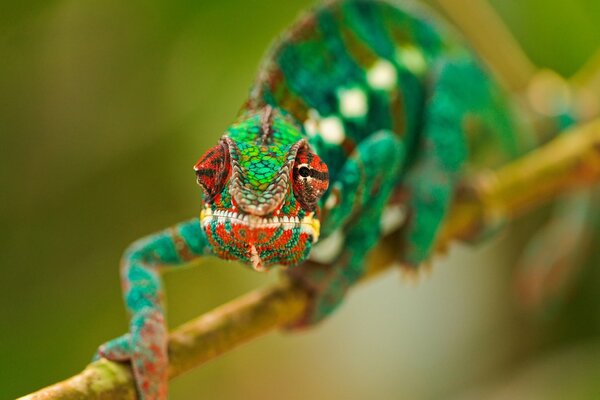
[258,246]
[283,240]
[213,169]
[296,251]
[310,178]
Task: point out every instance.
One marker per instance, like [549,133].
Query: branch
[492,39]
[567,163]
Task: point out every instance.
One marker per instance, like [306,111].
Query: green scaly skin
[359,106]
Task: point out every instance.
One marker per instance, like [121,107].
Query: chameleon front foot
[146,349]
[118,349]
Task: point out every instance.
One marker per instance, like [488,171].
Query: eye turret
[310,178]
[212,170]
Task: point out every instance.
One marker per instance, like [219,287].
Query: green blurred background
[104,108]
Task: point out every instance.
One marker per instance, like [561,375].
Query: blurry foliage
[104,108]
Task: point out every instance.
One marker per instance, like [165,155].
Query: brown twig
[569,162]
[491,38]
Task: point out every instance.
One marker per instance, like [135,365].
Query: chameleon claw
[118,349]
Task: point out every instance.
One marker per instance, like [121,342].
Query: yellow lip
[316,225]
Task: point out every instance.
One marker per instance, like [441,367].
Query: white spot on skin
[392,218]
[352,102]
[311,125]
[412,58]
[328,249]
[332,130]
[382,75]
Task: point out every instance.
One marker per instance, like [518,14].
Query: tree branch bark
[567,163]
[492,39]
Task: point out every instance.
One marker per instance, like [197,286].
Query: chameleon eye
[212,170]
[304,172]
[310,178]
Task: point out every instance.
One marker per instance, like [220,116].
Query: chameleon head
[262,184]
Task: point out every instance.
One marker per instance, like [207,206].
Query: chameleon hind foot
[460,89]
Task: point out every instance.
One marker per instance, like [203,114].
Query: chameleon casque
[358,107]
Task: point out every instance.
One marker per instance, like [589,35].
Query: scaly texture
[570,163]
[360,108]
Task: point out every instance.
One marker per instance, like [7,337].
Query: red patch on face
[310,178]
[294,253]
[212,170]
[268,245]
[283,240]
[246,234]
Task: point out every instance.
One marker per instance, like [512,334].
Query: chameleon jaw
[259,241]
[308,224]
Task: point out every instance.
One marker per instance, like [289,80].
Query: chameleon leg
[432,179]
[363,189]
[145,346]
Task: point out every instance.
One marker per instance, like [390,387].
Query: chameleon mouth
[259,241]
[308,224]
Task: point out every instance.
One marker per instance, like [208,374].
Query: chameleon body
[359,106]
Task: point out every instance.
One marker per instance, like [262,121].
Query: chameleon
[364,118]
